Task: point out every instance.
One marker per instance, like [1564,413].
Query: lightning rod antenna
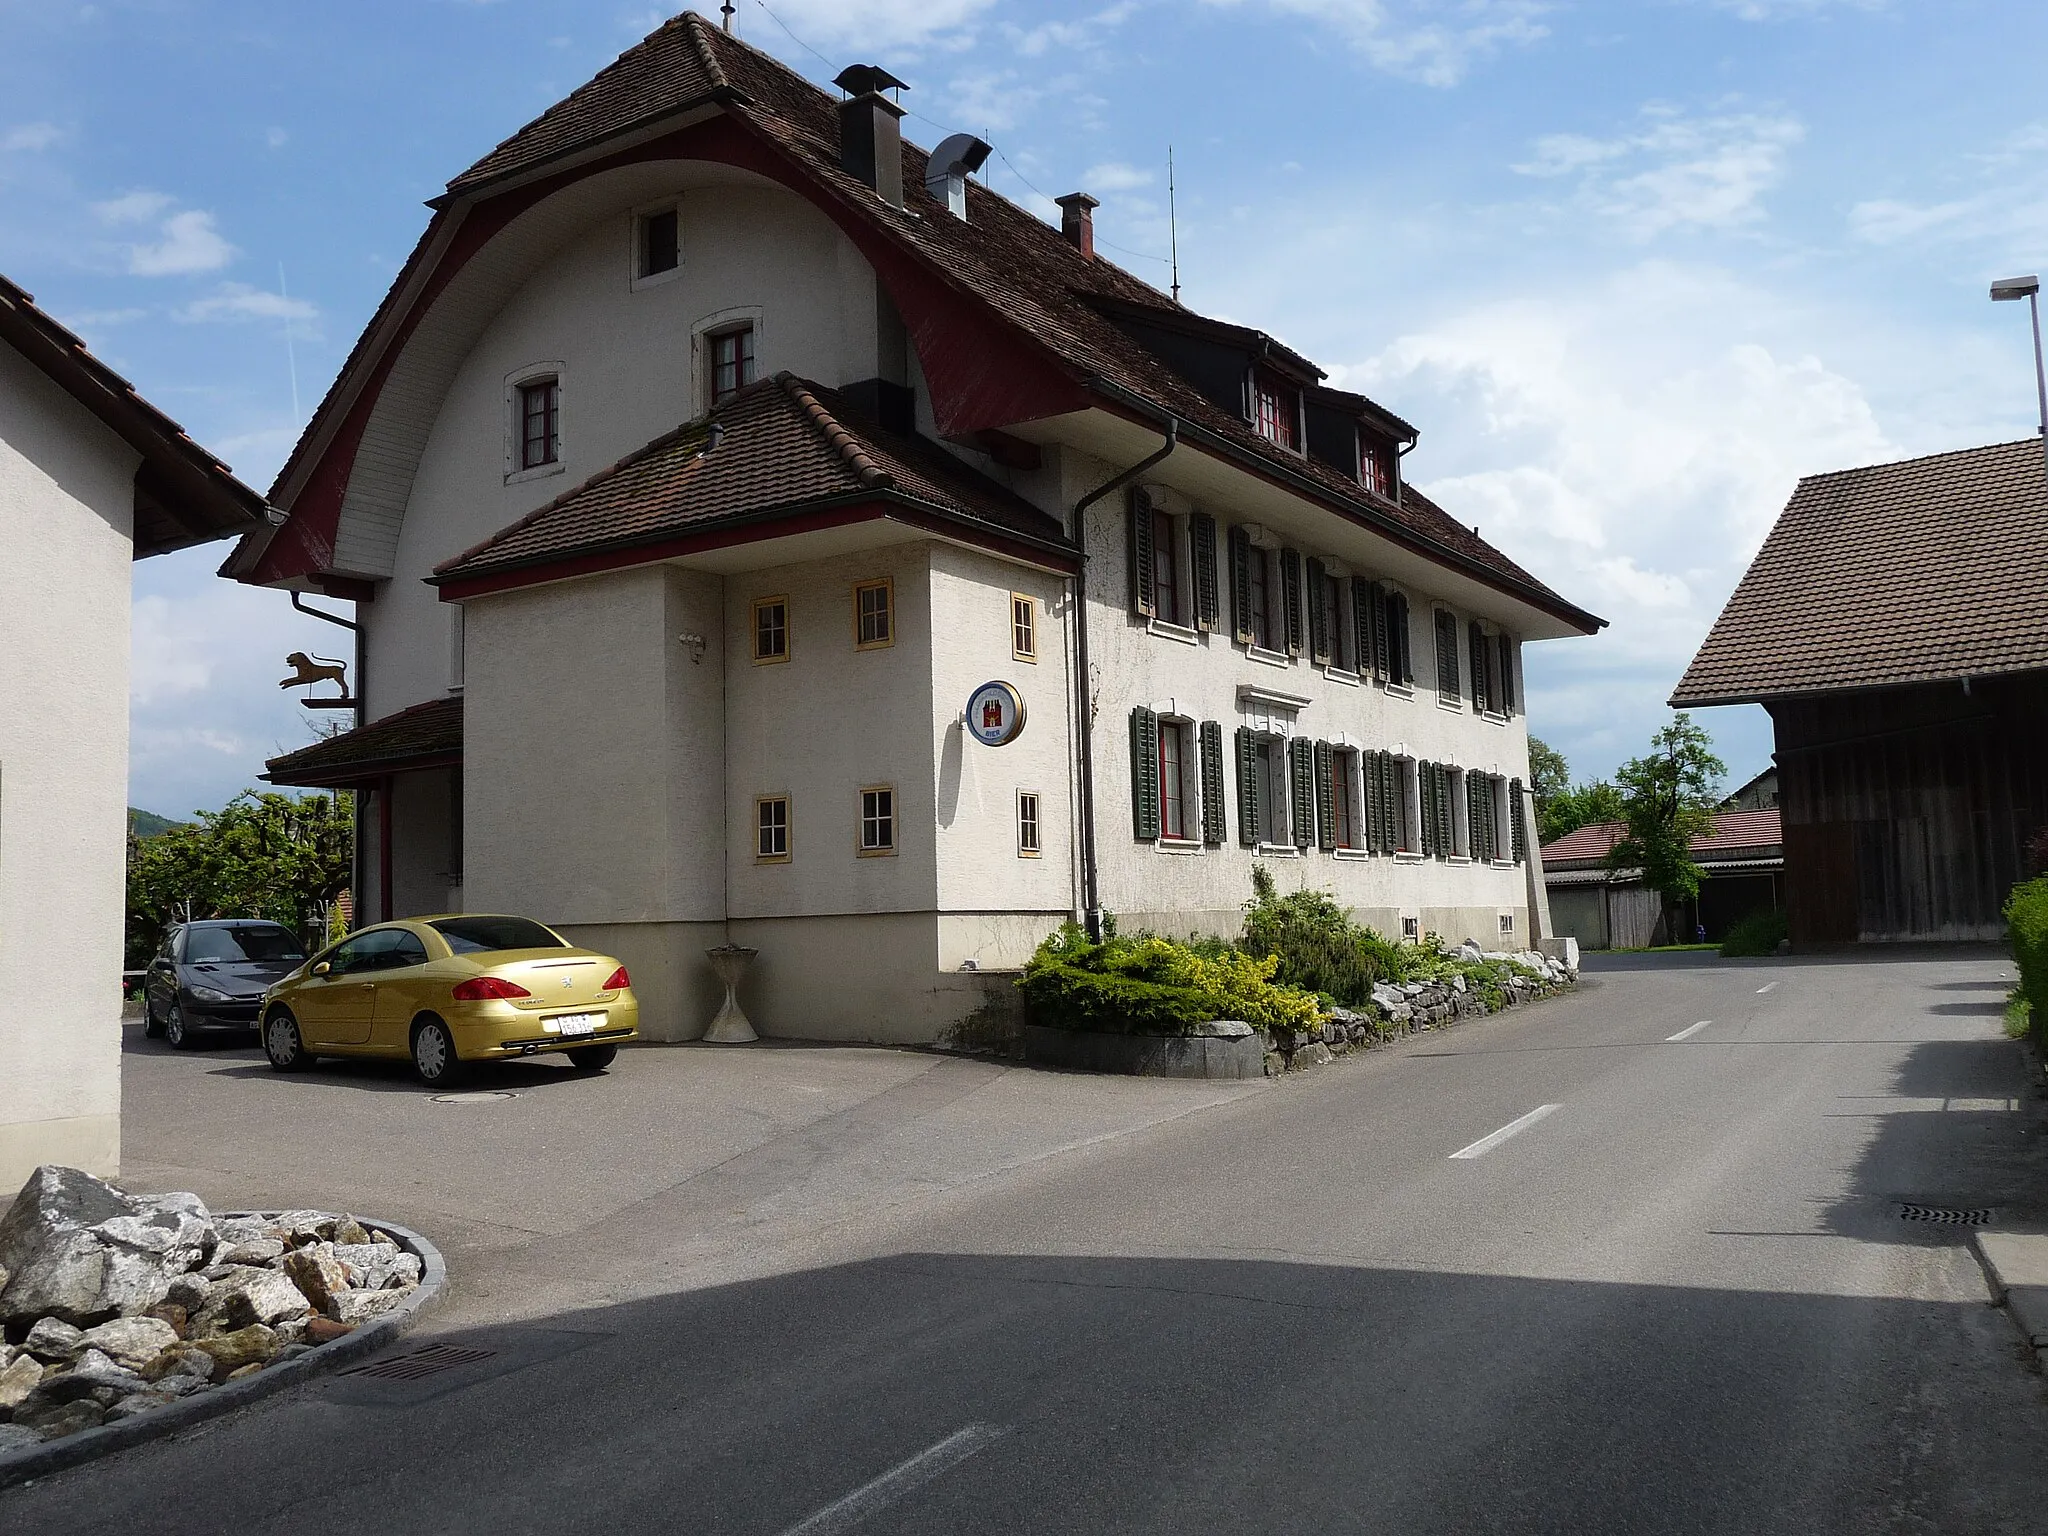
[291,355]
[1172,224]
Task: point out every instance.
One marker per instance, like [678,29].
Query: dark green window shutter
[1515,813]
[1365,601]
[1401,648]
[1482,817]
[1144,774]
[1425,776]
[1290,587]
[1443,811]
[1301,758]
[1507,674]
[1445,630]
[1213,831]
[1321,622]
[1247,788]
[1142,602]
[1241,585]
[1481,694]
[1202,535]
[1326,797]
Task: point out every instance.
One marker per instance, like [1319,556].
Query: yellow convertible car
[449,990]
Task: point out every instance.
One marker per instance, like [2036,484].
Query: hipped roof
[1737,835]
[1921,571]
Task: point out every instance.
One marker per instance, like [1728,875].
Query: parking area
[547,1187]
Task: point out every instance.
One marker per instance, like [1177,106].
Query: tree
[1668,799]
[261,855]
[1549,774]
[1585,806]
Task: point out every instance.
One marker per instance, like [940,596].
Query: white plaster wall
[998,904]
[823,724]
[67,498]
[1132,664]
[628,375]
[421,845]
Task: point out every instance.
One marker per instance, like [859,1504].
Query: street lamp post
[2029,288]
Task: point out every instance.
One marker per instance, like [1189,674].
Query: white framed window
[1023,626]
[1029,832]
[877,820]
[1507,925]
[1408,806]
[533,422]
[1461,816]
[771,829]
[1269,784]
[657,244]
[1503,820]
[1268,601]
[1411,929]
[1180,802]
[1346,806]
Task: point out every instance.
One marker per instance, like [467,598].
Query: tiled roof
[1736,835]
[784,445]
[184,495]
[1005,258]
[1929,569]
[410,738]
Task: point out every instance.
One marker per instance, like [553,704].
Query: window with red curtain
[1274,410]
[1173,817]
[732,362]
[1376,467]
[1165,570]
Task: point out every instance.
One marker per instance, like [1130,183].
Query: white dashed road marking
[1687,1034]
[1486,1144]
[870,1498]
[1765,987]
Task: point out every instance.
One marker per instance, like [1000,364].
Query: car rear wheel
[593,1058]
[433,1054]
[175,1032]
[283,1044]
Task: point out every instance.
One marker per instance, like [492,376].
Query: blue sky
[1632,267]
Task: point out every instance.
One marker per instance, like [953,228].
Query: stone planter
[1231,1055]
[730,1026]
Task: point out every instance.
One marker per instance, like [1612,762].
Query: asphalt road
[1679,1297]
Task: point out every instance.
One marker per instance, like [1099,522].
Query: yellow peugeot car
[445,991]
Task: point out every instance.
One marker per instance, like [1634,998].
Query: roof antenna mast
[1172,225]
[726,11]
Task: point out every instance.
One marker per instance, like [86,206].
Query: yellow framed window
[1023,626]
[771,829]
[874,615]
[1027,824]
[877,820]
[771,629]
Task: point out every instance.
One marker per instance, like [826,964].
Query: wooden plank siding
[1907,810]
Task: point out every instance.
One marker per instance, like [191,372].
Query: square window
[874,615]
[732,362]
[878,820]
[771,629]
[1507,924]
[1027,824]
[771,829]
[1411,928]
[540,422]
[1023,626]
[659,244]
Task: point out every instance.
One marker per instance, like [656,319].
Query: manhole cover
[429,1361]
[472,1098]
[1948,1215]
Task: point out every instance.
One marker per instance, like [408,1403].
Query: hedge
[2026,918]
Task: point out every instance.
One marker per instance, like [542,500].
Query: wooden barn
[1895,625]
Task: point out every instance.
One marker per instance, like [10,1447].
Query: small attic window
[658,246]
[1276,410]
[1375,466]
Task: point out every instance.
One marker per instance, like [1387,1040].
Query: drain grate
[431,1360]
[1947,1215]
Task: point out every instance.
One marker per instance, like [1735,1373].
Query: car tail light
[619,981]
[479,989]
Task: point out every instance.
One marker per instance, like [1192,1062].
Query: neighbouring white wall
[630,372]
[1134,663]
[67,499]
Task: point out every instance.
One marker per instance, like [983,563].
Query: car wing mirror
[322,968]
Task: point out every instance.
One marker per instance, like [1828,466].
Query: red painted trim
[731,536]
[347,588]
[982,370]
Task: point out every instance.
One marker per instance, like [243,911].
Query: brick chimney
[1077,221]
[870,139]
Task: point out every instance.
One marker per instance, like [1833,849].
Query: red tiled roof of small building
[1736,834]
[409,738]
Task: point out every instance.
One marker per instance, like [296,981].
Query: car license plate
[576,1023]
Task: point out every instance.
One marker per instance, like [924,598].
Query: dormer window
[540,416]
[732,362]
[1276,410]
[1376,467]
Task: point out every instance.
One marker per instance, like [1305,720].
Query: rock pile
[113,1304]
[1399,1008]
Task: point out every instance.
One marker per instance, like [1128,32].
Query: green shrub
[1757,934]
[1317,947]
[1144,984]
[2026,921]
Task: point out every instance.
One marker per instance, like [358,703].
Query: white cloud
[1434,42]
[1674,171]
[2008,207]
[275,137]
[239,301]
[133,207]
[190,243]
[1779,10]
[866,25]
[1115,176]
[29,137]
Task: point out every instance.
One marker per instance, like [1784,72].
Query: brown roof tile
[1736,834]
[409,738]
[1918,571]
[785,444]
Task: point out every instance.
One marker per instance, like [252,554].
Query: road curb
[90,1444]
[2016,1266]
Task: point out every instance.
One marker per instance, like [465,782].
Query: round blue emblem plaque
[995,714]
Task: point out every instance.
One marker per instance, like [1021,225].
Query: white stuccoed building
[92,478]
[715,446]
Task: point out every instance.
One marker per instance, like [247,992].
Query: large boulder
[245,1346]
[20,1378]
[132,1341]
[76,1248]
